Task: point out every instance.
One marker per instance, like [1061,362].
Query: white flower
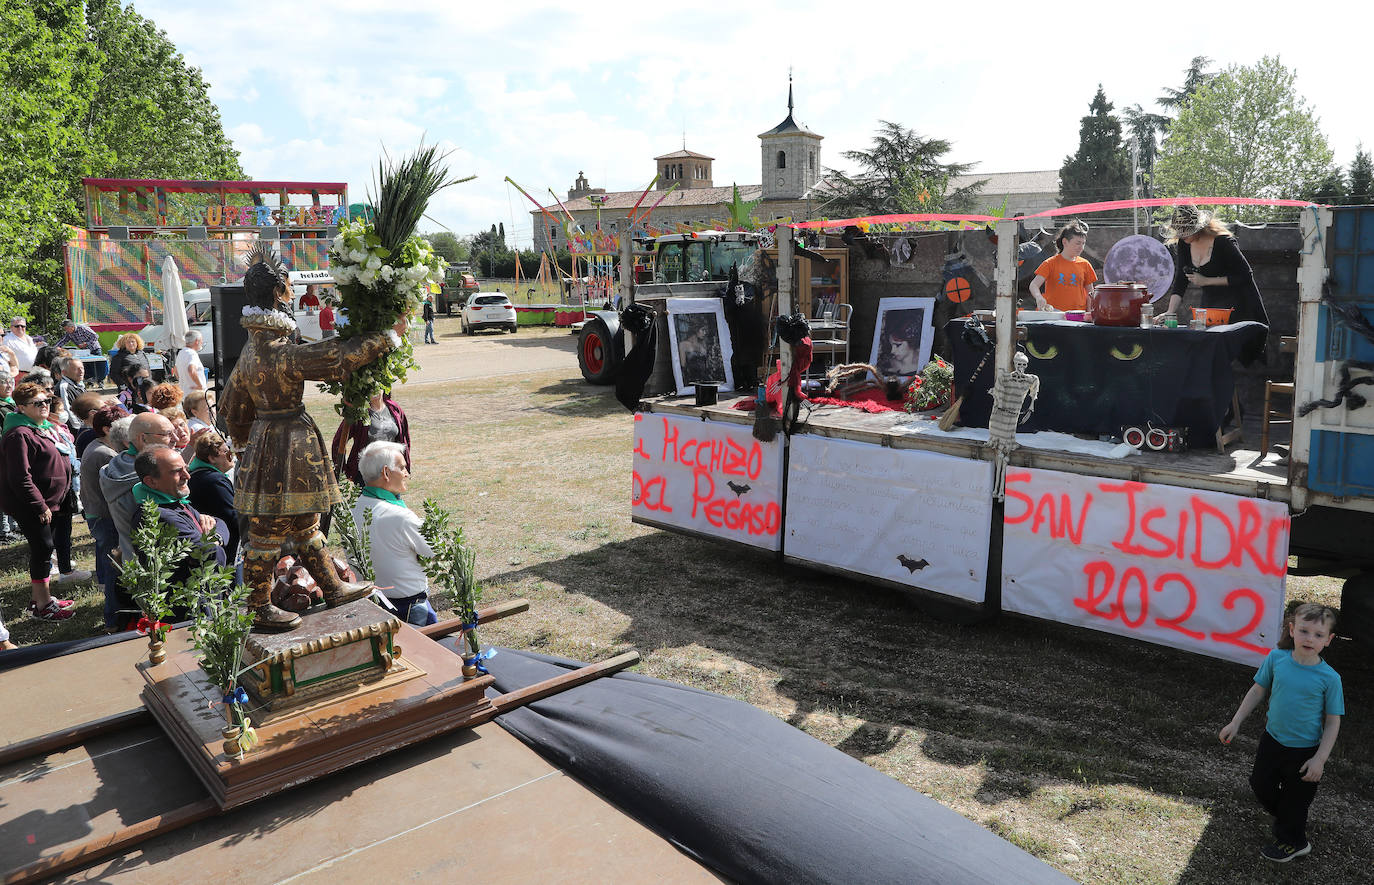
[373,263]
[368,278]
[386,272]
[357,256]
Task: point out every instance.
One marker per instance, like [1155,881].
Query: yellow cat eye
[1049,353]
[1135,351]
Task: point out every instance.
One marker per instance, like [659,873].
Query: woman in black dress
[1206,256]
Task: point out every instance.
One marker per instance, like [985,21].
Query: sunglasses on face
[38,402]
[18,326]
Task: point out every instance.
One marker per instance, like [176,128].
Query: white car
[488,310]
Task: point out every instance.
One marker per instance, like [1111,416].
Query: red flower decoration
[146,626]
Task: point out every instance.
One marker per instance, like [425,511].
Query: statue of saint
[285,479]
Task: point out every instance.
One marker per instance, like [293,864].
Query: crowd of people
[69,451]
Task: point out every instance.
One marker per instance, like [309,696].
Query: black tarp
[745,794]
[1098,379]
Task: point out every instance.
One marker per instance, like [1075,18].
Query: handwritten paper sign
[914,518]
[709,477]
[1195,570]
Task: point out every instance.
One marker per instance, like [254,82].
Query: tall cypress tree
[1360,187]
[1101,170]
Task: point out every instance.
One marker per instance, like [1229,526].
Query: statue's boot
[314,555]
[258,567]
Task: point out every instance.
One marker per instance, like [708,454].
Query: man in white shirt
[17,339]
[190,370]
[394,540]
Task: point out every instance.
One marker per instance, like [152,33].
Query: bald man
[118,478]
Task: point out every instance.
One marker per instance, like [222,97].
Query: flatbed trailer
[1188,549]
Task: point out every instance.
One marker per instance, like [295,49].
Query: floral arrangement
[932,388]
[453,567]
[382,271]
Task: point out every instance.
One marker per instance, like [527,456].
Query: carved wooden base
[425,696]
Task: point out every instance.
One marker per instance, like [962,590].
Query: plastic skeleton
[1008,395]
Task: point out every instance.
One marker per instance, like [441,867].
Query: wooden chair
[1287,344]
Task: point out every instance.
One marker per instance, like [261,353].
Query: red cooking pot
[1118,304]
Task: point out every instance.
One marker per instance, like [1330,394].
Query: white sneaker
[74,577]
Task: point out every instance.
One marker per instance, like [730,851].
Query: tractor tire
[596,353]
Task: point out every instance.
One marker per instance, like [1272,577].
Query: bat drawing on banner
[912,565]
[738,489]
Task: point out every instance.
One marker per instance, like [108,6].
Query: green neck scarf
[196,464]
[19,419]
[143,493]
[382,495]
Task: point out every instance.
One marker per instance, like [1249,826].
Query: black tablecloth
[1098,379]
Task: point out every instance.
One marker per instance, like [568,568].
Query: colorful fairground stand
[113,266]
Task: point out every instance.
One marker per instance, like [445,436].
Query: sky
[537,91]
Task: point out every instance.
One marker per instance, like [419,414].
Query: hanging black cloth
[638,365]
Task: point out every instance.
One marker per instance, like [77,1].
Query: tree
[1146,129]
[1101,169]
[1245,133]
[1330,189]
[901,173]
[447,245]
[1194,78]
[152,111]
[88,89]
[1361,180]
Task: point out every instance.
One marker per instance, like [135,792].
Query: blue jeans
[106,538]
[415,610]
[429,332]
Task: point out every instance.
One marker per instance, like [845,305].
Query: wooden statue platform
[423,694]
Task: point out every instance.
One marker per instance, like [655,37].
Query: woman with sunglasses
[17,340]
[36,490]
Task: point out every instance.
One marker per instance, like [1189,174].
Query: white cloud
[540,91]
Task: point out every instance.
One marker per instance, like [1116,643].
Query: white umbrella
[174,323]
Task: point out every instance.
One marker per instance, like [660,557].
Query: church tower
[791,157]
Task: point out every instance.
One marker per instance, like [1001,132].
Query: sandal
[53,612]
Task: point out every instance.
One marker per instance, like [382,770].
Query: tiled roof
[684,154]
[696,196]
[788,125]
[1043,181]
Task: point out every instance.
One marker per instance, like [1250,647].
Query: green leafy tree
[1245,133]
[901,173]
[48,74]
[1101,169]
[1330,189]
[447,245]
[1361,179]
[1146,129]
[152,111]
[88,88]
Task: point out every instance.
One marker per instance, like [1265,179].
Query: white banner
[708,476]
[1201,571]
[915,518]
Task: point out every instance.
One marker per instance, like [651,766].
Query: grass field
[1095,753]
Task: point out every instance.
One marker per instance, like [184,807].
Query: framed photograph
[905,333]
[700,343]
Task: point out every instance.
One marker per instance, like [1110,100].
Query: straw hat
[1188,220]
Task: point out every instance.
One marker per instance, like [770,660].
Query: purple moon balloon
[1140,259]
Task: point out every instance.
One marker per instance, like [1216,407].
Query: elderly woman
[165,396]
[128,350]
[6,394]
[36,490]
[99,452]
[199,407]
[212,492]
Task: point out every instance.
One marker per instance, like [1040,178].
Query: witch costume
[285,479]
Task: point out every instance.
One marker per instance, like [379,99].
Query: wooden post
[1307,372]
[785,298]
[1006,292]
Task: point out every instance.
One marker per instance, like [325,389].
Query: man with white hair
[190,370]
[71,377]
[394,540]
[118,478]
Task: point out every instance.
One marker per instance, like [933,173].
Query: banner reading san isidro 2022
[1195,570]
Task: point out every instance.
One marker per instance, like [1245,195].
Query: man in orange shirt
[1066,279]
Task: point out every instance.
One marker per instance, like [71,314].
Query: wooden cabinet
[822,286]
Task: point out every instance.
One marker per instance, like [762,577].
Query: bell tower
[790,157]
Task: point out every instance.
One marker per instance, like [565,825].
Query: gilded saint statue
[285,479]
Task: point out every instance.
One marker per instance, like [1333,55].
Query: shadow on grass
[1034,710]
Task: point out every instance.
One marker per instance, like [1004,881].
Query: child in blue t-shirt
[1305,709]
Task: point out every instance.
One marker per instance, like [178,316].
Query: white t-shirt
[395,544]
[189,366]
[25,350]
